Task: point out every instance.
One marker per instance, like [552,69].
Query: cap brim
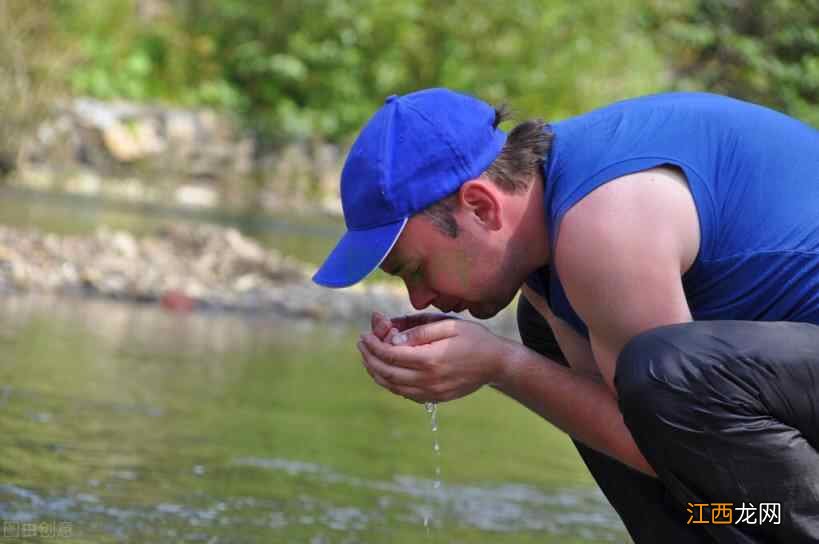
[358,253]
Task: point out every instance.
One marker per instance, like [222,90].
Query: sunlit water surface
[125,423]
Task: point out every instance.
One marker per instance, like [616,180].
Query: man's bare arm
[574,347]
[621,253]
[578,404]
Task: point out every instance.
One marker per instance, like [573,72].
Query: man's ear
[479,198]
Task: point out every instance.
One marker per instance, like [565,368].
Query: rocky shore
[188,267]
[183,267]
[150,154]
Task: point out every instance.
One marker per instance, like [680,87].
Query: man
[670,245]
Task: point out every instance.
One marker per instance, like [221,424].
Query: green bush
[320,67]
[306,68]
[766,51]
[33,60]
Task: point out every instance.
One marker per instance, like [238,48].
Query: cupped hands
[432,357]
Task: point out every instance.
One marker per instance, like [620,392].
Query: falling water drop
[432,410]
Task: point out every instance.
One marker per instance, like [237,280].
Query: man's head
[435,192]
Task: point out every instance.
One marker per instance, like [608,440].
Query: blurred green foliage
[33,62]
[319,68]
[136,57]
[307,67]
[766,51]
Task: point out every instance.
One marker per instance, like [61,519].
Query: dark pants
[725,412]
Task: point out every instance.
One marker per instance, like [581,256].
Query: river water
[125,423]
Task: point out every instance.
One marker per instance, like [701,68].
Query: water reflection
[134,424]
[309,237]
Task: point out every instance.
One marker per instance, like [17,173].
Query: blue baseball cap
[416,150]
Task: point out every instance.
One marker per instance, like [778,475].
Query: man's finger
[405,322]
[379,380]
[407,391]
[411,393]
[379,324]
[411,357]
[428,333]
[393,374]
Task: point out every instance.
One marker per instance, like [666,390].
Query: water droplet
[432,410]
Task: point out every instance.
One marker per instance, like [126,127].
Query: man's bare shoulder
[620,254]
[649,208]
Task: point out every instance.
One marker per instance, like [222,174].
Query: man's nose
[420,296]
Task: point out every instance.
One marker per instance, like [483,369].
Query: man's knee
[651,374]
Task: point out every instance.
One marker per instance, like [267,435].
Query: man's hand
[444,359]
[382,326]
[440,359]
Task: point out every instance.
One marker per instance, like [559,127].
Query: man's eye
[416,274]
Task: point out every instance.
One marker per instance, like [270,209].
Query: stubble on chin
[486,310]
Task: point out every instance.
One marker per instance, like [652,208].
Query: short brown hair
[517,165]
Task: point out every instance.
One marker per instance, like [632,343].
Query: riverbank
[182,267]
[186,267]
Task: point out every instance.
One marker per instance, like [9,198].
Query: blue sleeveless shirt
[754,177]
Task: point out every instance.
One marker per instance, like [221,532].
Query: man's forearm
[575,403]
